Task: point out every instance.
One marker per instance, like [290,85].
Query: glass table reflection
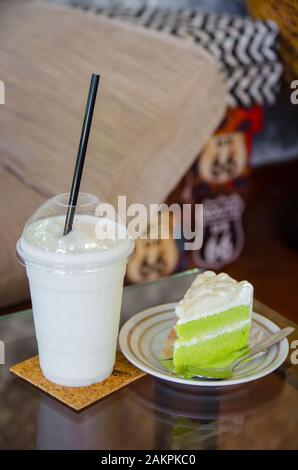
[149,413]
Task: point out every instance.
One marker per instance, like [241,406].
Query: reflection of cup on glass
[76,284]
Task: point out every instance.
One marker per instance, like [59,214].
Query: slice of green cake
[213,324]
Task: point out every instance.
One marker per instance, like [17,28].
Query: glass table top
[149,414]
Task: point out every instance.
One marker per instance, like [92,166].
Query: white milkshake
[76,284]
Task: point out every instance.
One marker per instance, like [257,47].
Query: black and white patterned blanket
[246,49]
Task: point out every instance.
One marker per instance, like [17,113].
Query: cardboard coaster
[79,397]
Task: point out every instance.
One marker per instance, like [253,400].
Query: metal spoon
[217,373]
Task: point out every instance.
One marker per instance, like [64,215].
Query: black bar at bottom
[135,459]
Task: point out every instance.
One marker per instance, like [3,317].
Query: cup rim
[93,200]
[81,262]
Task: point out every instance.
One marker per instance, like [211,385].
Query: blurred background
[227,139]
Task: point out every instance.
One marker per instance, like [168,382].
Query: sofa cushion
[17,203]
[159,101]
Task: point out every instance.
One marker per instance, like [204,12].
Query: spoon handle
[265,344]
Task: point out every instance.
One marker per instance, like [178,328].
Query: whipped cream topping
[211,293]
[92,241]
[47,234]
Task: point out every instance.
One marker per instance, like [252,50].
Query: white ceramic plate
[141,340]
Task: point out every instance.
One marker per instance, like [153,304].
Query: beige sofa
[160,99]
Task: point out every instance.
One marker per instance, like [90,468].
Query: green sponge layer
[207,341]
[206,325]
[210,352]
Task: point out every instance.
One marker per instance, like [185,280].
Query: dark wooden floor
[268,260]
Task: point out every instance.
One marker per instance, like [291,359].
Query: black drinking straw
[76,181]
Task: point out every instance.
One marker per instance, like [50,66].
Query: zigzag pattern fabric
[245,49]
[258,84]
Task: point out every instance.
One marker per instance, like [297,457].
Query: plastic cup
[76,289]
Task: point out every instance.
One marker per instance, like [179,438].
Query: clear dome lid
[97,236]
